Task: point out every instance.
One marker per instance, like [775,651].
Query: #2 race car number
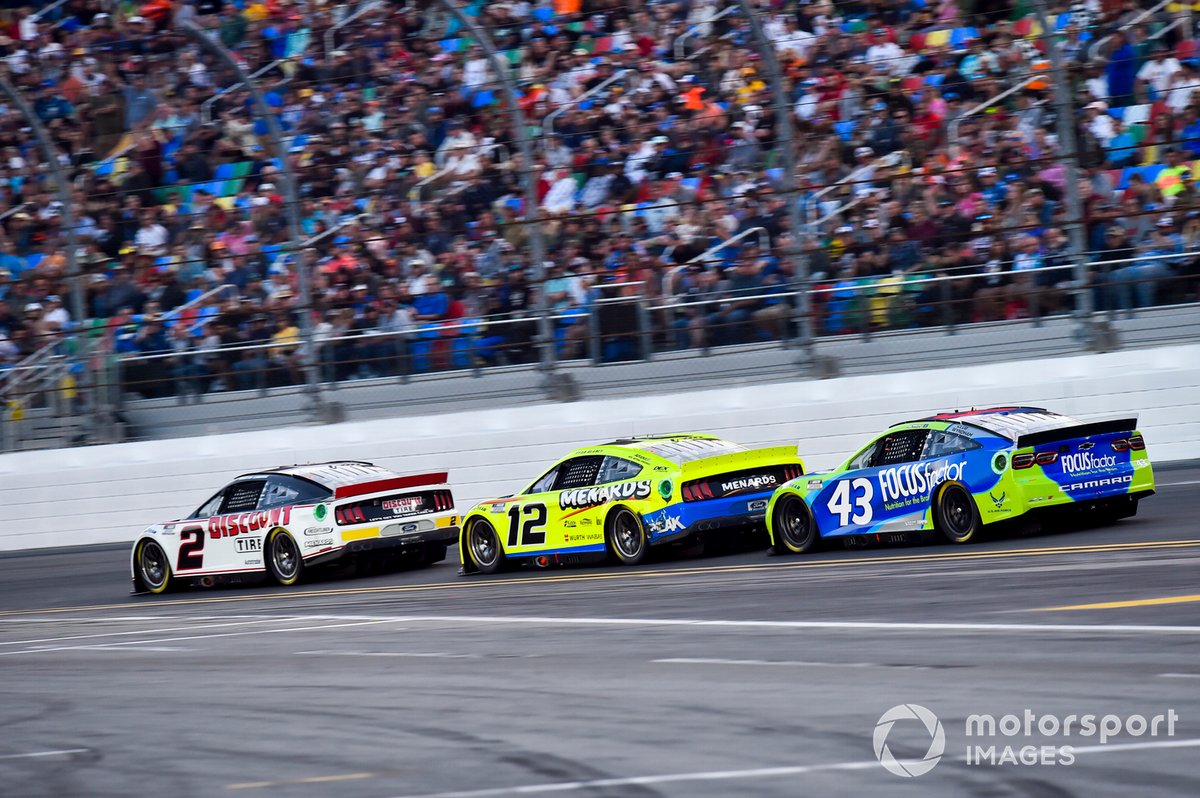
[849,495]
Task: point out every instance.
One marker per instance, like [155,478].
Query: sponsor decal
[756,482]
[998,500]
[320,511]
[815,484]
[168,528]
[999,463]
[253,562]
[1100,483]
[316,531]
[664,489]
[569,524]
[580,498]
[312,544]
[583,537]
[586,521]
[1141,463]
[228,526]
[665,524]
[757,505]
[1086,461]
[409,528]
[1086,446]
[249,544]
[915,479]
[496,508]
[408,504]
[960,429]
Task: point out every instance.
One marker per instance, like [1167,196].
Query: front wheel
[483,546]
[955,515]
[284,563]
[626,536]
[793,524]
[153,569]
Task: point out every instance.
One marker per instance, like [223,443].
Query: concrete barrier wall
[109,493]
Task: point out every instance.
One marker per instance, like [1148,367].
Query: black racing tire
[483,547]
[955,515]
[153,567]
[794,526]
[625,536]
[285,565]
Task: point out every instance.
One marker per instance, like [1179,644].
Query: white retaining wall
[107,494]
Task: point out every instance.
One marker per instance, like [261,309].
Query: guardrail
[812,202]
[414,193]
[206,106]
[764,243]
[548,122]
[1137,20]
[952,128]
[361,11]
[681,39]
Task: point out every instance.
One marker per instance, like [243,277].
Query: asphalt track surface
[738,675]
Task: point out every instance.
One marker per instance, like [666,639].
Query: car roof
[333,474]
[1007,422]
[679,448]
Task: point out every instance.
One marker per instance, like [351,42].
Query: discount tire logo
[908,768]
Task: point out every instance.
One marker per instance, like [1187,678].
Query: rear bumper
[687,519]
[442,536]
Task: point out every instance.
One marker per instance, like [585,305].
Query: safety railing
[1098,47]
[548,122]
[481,152]
[764,243]
[953,126]
[358,13]
[206,115]
[680,45]
[811,203]
[46,10]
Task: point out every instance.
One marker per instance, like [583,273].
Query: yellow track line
[858,562]
[1117,605]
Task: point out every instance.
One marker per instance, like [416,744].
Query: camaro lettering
[916,479]
[575,498]
[1100,483]
[1086,461]
[745,483]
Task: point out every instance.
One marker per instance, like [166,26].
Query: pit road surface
[738,675]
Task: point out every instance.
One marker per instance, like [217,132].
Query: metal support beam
[559,385]
[1069,152]
[317,409]
[786,146]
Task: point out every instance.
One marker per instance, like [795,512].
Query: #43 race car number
[851,501]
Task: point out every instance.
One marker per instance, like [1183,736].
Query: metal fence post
[1065,122]
[318,410]
[559,386]
[62,189]
[786,145]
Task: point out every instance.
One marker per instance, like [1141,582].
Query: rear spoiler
[1077,431]
[739,460]
[393,483]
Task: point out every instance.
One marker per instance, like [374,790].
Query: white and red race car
[284,520]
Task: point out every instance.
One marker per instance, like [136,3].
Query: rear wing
[392,484]
[771,455]
[1072,431]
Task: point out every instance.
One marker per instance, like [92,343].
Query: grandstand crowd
[655,143]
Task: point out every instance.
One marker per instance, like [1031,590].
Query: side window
[616,469]
[863,459]
[941,444]
[284,490]
[545,482]
[241,497]
[578,472]
[900,447]
[210,507]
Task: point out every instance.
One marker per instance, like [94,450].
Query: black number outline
[531,532]
[191,552]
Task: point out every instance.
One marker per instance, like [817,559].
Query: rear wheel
[483,545]
[794,527]
[153,569]
[284,563]
[955,515]
[626,537]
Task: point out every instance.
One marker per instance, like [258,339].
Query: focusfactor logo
[909,768]
[1086,461]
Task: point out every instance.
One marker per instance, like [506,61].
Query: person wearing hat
[56,316]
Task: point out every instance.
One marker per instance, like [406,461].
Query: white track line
[755,773]
[1177,484]
[1179,675]
[198,637]
[40,754]
[128,632]
[790,663]
[412,654]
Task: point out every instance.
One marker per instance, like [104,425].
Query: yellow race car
[619,499]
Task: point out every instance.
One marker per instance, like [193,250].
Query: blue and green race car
[955,473]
